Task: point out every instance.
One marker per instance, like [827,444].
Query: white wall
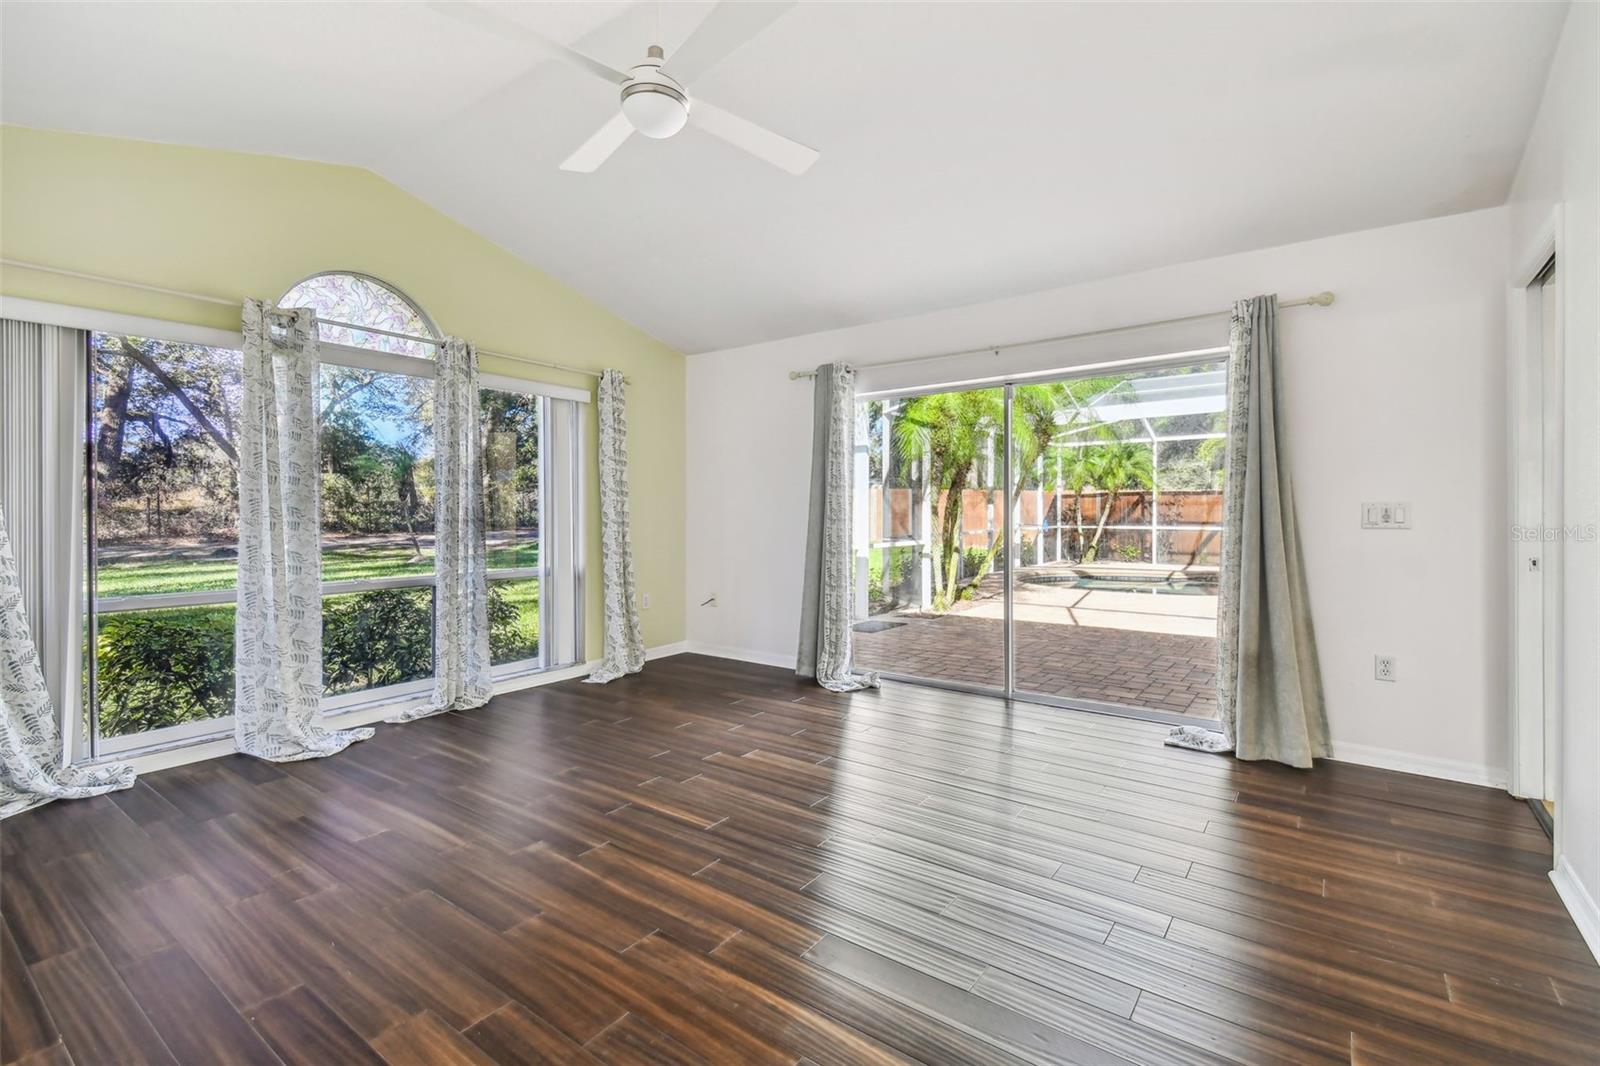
[1562,166]
[1394,393]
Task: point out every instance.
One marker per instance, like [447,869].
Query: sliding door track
[1117,710]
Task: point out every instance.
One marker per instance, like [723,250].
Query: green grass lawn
[147,577]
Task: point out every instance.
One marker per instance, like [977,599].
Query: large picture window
[164,509]
[164,521]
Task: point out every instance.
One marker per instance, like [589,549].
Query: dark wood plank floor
[713,863]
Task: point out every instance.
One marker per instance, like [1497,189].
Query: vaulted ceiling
[969,150]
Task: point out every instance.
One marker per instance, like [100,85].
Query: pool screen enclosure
[1053,539]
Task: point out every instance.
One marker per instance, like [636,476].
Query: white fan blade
[762,143]
[598,148]
[727,27]
[484,18]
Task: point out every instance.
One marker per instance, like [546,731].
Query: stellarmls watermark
[1578,533]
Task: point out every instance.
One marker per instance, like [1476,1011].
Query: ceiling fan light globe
[655,113]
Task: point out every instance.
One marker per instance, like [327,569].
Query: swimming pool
[1162,586]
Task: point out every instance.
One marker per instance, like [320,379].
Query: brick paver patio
[1138,666]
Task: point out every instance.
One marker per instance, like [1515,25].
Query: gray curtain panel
[277,632]
[1269,682]
[461,677]
[42,382]
[825,605]
[624,643]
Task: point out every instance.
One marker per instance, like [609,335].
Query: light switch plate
[1386,516]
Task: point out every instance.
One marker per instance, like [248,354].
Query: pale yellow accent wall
[236,225]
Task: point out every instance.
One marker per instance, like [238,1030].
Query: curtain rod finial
[1321,299]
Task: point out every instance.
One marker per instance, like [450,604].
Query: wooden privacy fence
[1169,528]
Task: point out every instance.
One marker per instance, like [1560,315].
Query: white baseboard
[184,754]
[1426,765]
[744,655]
[1579,903]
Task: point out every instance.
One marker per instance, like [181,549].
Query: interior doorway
[1538,530]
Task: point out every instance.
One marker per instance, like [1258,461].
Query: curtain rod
[223,301]
[1321,299]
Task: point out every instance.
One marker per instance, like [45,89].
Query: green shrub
[513,621]
[165,667]
[372,639]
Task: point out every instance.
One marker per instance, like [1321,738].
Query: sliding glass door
[929,596]
[1118,538]
[1083,571]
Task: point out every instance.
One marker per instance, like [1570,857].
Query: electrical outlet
[1383,667]
[644,601]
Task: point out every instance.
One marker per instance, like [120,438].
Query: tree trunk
[113,422]
[1044,438]
[994,547]
[1077,521]
[1100,526]
[408,504]
[950,540]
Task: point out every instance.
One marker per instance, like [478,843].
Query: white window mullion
[514,573]
[375,584]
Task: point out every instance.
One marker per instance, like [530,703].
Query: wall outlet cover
[1383,667]
[1386,516]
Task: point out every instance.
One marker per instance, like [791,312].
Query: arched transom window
[345,302]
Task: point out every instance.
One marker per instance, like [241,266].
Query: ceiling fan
[653,100]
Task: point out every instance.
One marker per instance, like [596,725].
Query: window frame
[89,746]
[542,659]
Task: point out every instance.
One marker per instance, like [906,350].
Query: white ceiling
[969,151]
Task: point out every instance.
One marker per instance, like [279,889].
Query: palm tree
[946,431]
[1040,414]
[1116,466]
[950,431]
[1077,474]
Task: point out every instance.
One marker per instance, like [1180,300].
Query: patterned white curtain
[624,645]
[825,604]
[461,598]
[278,624]
[30,737]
